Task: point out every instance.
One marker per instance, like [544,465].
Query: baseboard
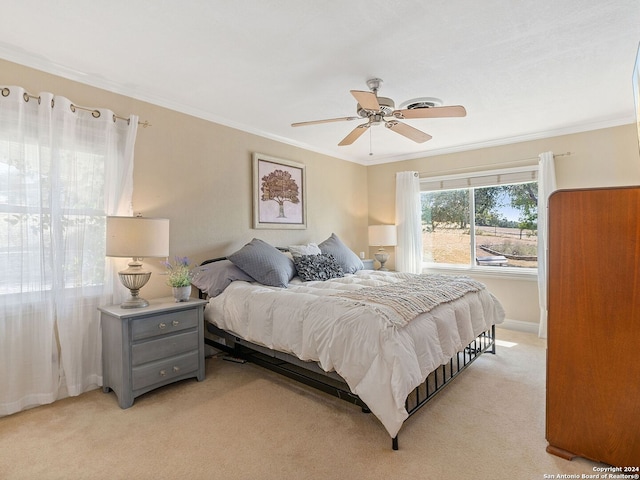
[520,326]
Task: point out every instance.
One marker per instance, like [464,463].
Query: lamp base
[134,278]
[382,256]
[134,302]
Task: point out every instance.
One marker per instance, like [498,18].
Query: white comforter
[380,362]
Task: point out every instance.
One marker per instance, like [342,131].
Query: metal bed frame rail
[444,374]
[312,375]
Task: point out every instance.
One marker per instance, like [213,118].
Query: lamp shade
[137,237]
[383,235]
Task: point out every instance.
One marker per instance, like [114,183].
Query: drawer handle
[163,373]
[162,325]
[175,323]
[176,369]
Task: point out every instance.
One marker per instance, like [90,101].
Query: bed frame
[309,373]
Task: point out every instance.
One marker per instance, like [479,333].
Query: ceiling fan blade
[354,135]
[431,112]
[328,120]
[367,100]
[408,131]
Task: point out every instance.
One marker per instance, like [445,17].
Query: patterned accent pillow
[348,260]
[317,267]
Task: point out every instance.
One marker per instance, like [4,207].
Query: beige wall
[198,174]
[607,157]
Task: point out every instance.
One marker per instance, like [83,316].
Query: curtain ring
[25,96]
[53,102]
[72,107]
[114,118]
[5,92]
[96,114]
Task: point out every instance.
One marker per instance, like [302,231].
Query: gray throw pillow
[212,278]
[265,263]
[317,267]
[348,260]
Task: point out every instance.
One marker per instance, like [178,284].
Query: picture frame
[279,193]
[636,91]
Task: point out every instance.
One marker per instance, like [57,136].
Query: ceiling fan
[377,110]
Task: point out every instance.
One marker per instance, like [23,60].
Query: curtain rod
[94,112]
[565,154]
[474,167]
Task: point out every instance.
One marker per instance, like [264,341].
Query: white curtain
[546,186]
[409,224]
[62,170]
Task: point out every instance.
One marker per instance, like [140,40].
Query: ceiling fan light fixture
[376,119]
[422,102]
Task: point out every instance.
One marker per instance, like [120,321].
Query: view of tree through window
[504,220]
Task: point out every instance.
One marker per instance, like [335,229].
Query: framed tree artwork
[279,191]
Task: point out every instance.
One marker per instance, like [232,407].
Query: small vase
[182,294]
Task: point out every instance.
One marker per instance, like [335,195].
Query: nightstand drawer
[163,347]
[164,370]
[163,324]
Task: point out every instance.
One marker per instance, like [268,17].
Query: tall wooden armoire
[593,344]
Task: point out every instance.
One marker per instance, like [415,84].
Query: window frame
[470,181]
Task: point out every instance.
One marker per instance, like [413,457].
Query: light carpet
[243,422]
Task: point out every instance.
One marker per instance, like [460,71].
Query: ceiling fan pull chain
[370,136]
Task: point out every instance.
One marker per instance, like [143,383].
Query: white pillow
[300,250]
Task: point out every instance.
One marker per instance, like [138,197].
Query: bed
[385,341]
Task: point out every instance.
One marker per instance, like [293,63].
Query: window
[483,220]
[35,214]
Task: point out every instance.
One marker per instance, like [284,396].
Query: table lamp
[382,236]
[138,238]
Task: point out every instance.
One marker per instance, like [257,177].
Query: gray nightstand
[146,348]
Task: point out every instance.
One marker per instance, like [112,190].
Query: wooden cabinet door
[593,366]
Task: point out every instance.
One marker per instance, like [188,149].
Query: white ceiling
[523,69]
